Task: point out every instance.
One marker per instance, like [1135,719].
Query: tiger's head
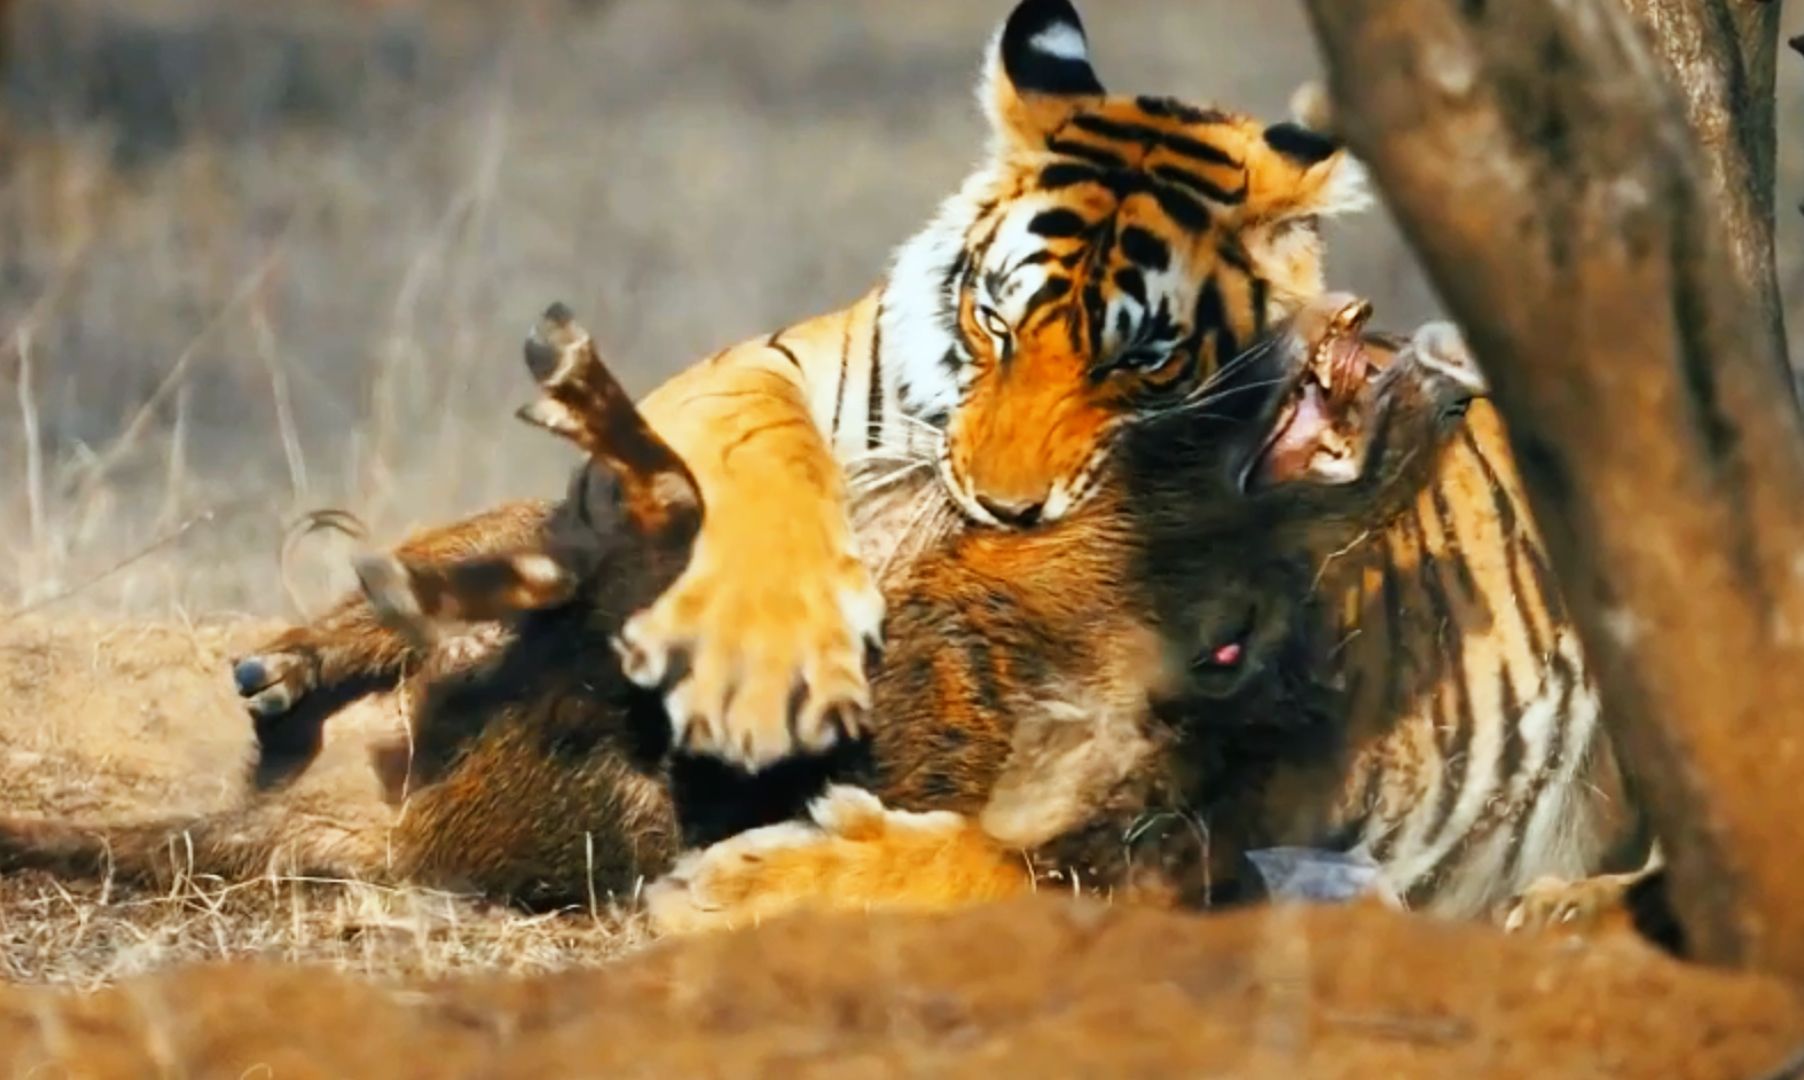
[1109,254]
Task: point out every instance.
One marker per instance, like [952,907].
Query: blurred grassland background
[259,256]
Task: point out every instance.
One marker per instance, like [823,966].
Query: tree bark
[1722,56]
[1542,166]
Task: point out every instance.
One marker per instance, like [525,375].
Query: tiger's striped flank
[1478,761]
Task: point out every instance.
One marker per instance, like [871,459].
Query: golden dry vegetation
[110,720]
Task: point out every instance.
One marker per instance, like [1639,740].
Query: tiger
[1461,751]
[1473,765]
[1084,702]
[1108,254]
[1025,677]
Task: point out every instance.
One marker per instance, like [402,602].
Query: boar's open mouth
[1319,429]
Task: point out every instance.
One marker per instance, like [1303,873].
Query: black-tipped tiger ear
[1301,167]
[1303,146]
[1044,50]
[1294,171]
[1039,67]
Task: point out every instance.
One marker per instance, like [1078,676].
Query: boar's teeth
[1321,366]
[1286,415]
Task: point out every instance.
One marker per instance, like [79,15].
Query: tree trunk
[1544,171]
[1721,55]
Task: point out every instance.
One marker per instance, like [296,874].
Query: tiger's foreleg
[760,646]
[856,855]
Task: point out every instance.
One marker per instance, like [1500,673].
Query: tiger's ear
[1294,171]
[1037,72]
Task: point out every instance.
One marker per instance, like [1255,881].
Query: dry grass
[290,264]
[104,720]
[87,936]
[258,257]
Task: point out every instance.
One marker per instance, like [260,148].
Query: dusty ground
[105,719]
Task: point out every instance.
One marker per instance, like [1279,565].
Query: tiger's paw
[761,646]
[733,883]
[1583,906]
[854,855]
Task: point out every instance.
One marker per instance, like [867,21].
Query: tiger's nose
[1019,515]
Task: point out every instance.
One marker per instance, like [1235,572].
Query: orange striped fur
[1465,751]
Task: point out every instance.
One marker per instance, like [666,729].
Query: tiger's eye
[1146,360]
[993,322]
